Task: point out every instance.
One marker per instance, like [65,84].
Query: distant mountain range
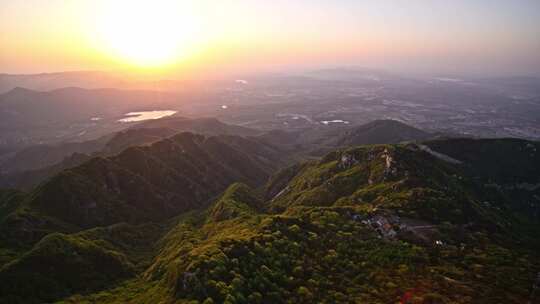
[101,79]
[53,81]
[87,80]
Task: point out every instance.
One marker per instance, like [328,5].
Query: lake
[146,115]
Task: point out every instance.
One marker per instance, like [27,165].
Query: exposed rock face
[348,160]
[389,170]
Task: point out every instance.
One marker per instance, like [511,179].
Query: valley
[262,198]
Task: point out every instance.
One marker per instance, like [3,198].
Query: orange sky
[448,36]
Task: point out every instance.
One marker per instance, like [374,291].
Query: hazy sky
[439,36]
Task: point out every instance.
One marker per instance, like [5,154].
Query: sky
[482,37]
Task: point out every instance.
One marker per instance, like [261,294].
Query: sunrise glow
[242,35]
[148,33]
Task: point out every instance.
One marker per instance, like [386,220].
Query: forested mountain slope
[141,184]
[401,223]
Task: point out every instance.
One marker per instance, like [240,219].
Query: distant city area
[480,108]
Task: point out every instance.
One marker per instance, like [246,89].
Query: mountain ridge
[369,224]
[150,183]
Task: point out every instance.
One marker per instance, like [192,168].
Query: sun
[148,33]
